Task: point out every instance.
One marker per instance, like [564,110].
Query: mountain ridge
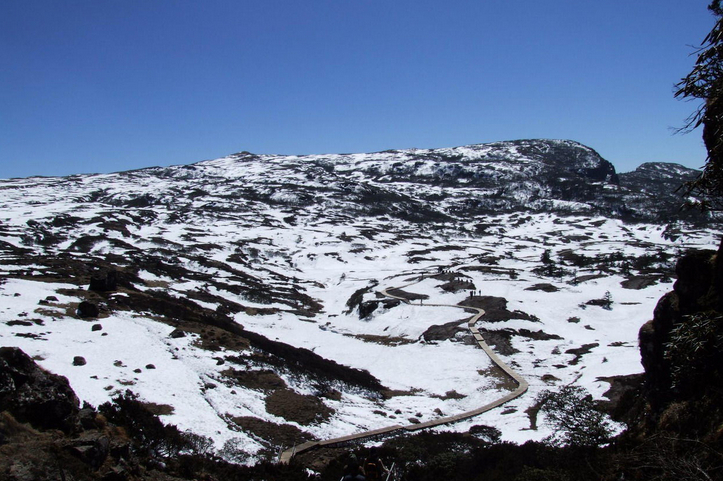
[535,175]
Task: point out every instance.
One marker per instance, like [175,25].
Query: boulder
[176,334]
[86,416]
[92,448]
[88,309]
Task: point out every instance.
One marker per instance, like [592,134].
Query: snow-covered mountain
[241,296]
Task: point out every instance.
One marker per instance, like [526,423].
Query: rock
[544,287]
[150,366]
[79,361]
[34,395]
[453,394]
[19,323]
[87,309]
[495,308]
[86,416]
[92,448]
[456,285]
[500,341]
[117,473]
[96,327]
[443,332]
[176,334]
[104,280]
[368,307]
[639,282]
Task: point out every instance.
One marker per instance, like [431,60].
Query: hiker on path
[352,470]
[374,468]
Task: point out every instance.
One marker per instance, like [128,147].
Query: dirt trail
[288,455]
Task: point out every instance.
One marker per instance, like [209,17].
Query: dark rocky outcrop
[495,308]
[366,308]
[104,280]
[544,287]
[680,350]
[697,289]
[93,448]
[299,408]
[44,436]
[443,332]
[33,395]
[456,285]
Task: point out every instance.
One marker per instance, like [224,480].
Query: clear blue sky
[107,85]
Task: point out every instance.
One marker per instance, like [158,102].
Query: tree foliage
[705,82]
[695,351]
[575,421]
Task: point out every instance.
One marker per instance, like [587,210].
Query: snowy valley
[241,297]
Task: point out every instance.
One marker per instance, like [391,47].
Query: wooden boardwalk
[288,455]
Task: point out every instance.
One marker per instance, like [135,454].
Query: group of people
[371,469]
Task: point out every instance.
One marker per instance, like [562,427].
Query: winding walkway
[288,455]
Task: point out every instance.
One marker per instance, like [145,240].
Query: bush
[150,436]
[233,452]
[537,474]
[489,434]
[575,421]
[464,457]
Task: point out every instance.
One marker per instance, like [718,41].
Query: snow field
[331,269]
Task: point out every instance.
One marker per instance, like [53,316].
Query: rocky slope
[46,434]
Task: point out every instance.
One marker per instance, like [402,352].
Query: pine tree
[705,82]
